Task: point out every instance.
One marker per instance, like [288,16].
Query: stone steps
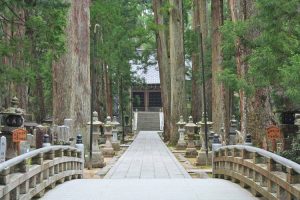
[148,121]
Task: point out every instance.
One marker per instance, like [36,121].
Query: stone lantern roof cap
[96,123]
[190,123]
[108,122]
[200,123]
[181,121]
[14,109]
[95,119]
[115,122]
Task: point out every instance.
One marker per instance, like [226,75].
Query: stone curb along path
[148,171]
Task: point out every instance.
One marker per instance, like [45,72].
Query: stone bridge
[148,170]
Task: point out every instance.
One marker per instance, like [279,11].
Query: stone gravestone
[40,132]
[24,147]
[30,140]
[70,131]
[63,134]
[2,149]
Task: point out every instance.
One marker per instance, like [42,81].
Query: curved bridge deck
[148,171]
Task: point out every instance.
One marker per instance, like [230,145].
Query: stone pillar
[108,150]
[115,142]
[79,145]
[248,140]
[46,141]
[181,145]
[2,149]
[216,143]
[191,151]
[97,156]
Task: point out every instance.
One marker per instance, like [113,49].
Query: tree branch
[14,13]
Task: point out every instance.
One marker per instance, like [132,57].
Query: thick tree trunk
[164,65]
[197,95]
[71,74]
[177,69]
[220,109]
[259,116]
[204,30]
[236,15]
[240,11]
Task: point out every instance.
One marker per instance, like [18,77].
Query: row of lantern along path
[192,142]
[112,144]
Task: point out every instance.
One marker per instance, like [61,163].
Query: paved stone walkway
[148,171]
[147,157]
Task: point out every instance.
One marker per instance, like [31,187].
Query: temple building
[147,96]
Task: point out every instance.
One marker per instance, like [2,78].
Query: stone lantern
[202,159]
[108,150]
[191,151]
[181,145]
[201,125]
[97,157]
[13,121]
[232,131]
[115,142]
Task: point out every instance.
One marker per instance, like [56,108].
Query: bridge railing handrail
[265,173]
[29,175]
[278,159]
[16,160]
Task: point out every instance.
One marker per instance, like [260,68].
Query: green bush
[292,154]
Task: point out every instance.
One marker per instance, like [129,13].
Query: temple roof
[150,73]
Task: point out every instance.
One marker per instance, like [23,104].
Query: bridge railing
[30,174]
[265,173]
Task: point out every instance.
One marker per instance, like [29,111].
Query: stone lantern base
[191,153]
[97,160]
[116,145]
[108,152]
[181,145]
[202,160]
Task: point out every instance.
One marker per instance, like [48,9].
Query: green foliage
[292,154]
[275,57]
[231,33]
[123,30]
[272,40]
[30,41]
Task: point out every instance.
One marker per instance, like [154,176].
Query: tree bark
[163,63]
[197,93]
[71,74]
[177,68]
[260,115]
[220,98]
[237,15]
